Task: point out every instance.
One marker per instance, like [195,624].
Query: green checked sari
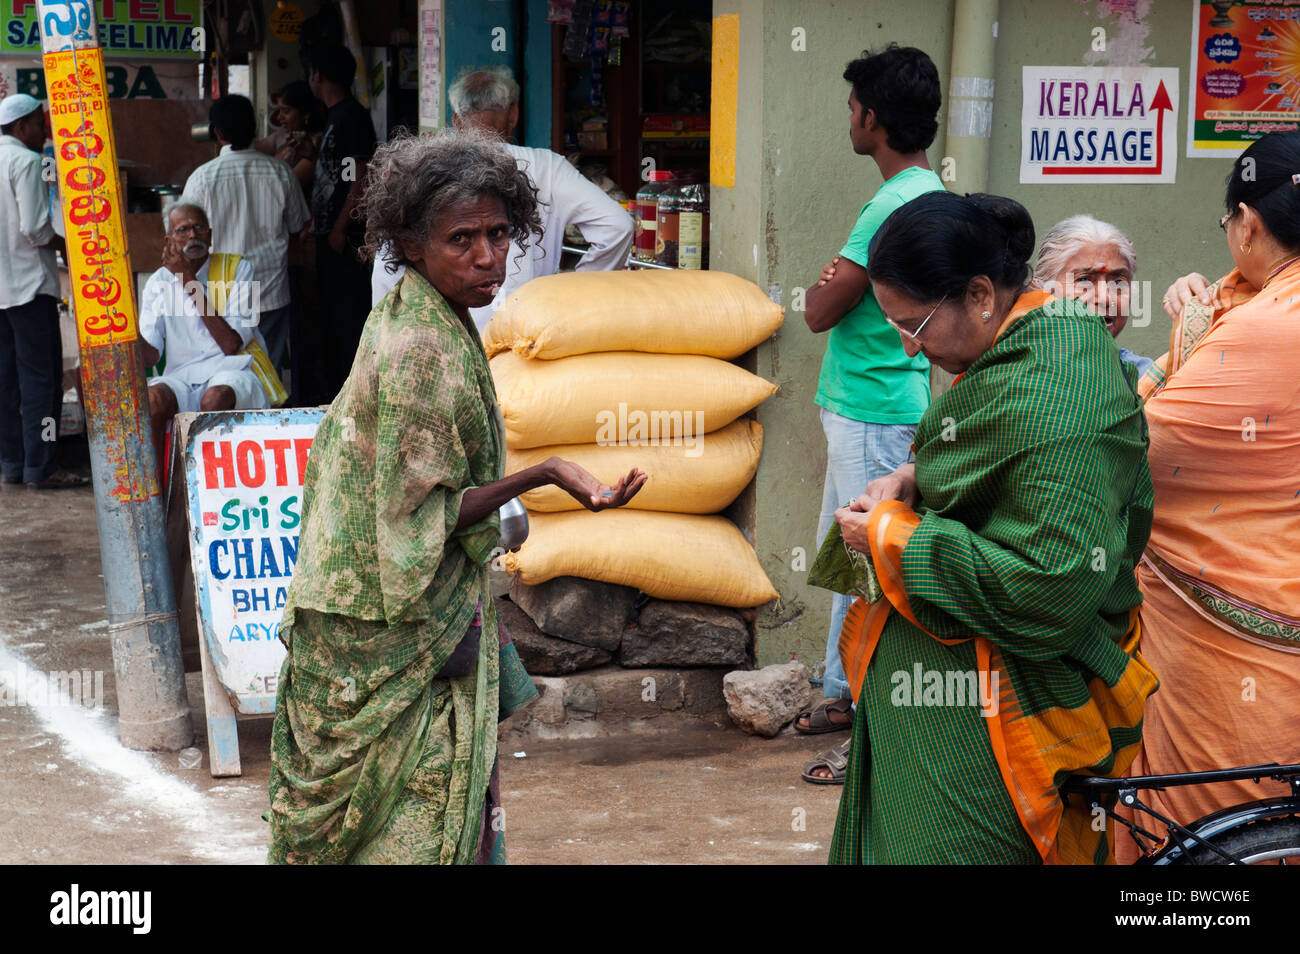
[1002,657]
[375,758]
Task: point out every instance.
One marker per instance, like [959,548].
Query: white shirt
[26,268]
[254,203]
[567,198]
[170,320]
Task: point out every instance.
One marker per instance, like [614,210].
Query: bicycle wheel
[1270,841]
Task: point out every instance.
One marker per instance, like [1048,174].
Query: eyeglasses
[192,230]
[1224,219]
[916,335]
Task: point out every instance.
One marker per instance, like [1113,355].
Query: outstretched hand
[591,493]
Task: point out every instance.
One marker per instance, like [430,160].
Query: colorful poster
[244,471]
[1099,124]
[139,29]
[1245,74]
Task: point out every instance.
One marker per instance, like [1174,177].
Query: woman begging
[1221,576]
[1003,655]
[384,743]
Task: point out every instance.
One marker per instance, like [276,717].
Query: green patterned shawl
[384,590]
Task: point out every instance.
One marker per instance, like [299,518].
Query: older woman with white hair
[1082,257]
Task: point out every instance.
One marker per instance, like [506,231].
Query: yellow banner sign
[91,191]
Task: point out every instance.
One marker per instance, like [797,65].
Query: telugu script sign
[1245,75]
[140,29]
[86,164]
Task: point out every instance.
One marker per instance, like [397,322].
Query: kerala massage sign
[1098,124]
[244,471]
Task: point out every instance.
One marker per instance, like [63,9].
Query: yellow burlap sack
[701,478]
[671,556]
[666,312]
[621,397]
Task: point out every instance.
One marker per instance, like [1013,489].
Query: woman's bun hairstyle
[1013,218]
[935,244]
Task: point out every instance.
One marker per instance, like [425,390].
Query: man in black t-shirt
[345,151]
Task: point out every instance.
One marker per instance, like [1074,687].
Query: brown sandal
[836,761]
[819,720]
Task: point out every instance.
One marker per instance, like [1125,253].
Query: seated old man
[199,313]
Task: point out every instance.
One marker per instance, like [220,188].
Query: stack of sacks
[615,370]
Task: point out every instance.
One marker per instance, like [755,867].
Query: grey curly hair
[412,181]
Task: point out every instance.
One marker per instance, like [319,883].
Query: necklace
[1279,268]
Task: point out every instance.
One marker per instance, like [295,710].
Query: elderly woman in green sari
[384,743]
[1002,656]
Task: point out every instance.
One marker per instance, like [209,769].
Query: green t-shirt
[866,374]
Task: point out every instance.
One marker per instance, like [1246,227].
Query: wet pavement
[690,792]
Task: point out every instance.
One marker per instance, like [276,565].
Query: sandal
[819,720]
[59,480]
[836,761]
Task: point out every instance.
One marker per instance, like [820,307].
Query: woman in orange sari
[1220,578]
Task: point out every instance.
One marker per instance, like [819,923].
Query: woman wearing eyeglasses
[1002,657]
[1221,576]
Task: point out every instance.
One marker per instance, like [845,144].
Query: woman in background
[1082,257]
[1221,575]
[296,139]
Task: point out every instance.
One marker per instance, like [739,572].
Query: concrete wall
[799,188]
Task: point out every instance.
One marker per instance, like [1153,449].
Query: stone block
[672,633]
[544,655]
[764,701]
[582,611]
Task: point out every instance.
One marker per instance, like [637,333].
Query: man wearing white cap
[31,354]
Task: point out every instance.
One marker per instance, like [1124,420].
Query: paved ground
[700,793]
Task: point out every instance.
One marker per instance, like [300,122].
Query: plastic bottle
[666,231]
[692,205]
[647,213]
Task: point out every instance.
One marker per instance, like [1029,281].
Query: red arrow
[1160,104]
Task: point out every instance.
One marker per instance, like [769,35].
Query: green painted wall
[799,188]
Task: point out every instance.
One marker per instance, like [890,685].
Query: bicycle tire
[1267,841]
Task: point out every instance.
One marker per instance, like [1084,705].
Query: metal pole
[152,705]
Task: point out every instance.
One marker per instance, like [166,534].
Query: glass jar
[647,215]
[692,205]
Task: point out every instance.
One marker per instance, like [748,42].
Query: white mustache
[195,249]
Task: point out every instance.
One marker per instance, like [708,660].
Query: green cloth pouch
[840,569]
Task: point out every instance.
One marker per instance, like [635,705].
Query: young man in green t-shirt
[871,394]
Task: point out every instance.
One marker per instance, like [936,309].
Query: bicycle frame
[1181,839]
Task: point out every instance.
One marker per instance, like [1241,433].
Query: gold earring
[1245,248]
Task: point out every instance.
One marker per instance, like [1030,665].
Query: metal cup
[514,524]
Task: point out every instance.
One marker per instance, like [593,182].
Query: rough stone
[544,655]
[582,611]
[671,633]
[764,701]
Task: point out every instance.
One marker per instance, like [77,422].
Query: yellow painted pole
[153,712]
